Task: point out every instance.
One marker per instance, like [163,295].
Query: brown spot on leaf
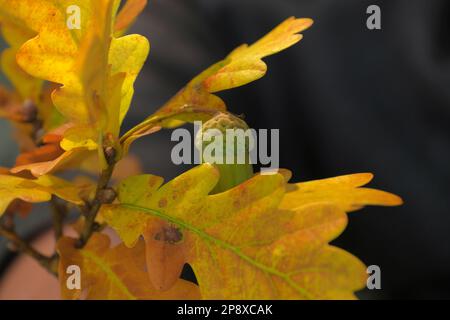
[170,235]
[152,181]
[162,203]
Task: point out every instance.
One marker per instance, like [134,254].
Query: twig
[94,206]
[49,263]
[29,115]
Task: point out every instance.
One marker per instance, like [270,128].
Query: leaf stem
[155,120]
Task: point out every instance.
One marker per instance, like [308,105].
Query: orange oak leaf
[44,153]
[74,158]
[50,157]
[128,14]
[113,273]
[263,239]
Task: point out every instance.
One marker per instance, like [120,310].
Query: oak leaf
[50,157]
[16,206]
[196,100]
[113,273]
[35,191]
[65,56]
[264,239]
[44,153]
[93,97]
[75,158]
[18,26]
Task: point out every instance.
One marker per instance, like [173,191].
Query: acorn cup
[226,141]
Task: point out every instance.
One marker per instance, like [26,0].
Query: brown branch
[49,263]
[103,195]
[29,114]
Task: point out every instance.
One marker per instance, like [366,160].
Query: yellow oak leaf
[241,66]
[35,191]
[96,70]
[58,54]
[263,239]
[27,86]
[16,206]
[245,64]
[343,191]
[82,136]
[51,118]
[95,95]
[10,190]
[127,55]
[65,56]
[18,25]
[113,273]
[31,98]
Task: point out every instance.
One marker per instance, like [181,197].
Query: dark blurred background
[346,99]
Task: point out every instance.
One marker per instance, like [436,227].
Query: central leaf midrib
[222,244]
[110,273]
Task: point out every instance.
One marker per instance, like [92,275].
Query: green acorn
[233,159]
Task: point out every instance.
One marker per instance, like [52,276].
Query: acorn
[233,160]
